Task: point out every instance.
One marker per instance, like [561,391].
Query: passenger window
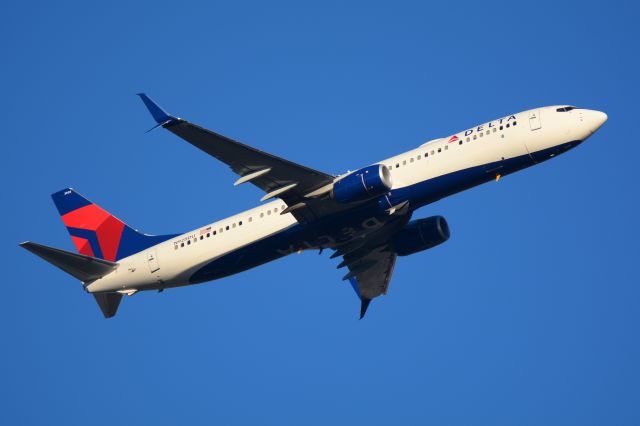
[433,152]
[175,247]
[181,244]
[488,131]
[250,219]
[233,225]
[446,147]
[419,157]
[404,163]
[221,229]
[268,212]
[411,160]
[261,214]
[495,130]
[397,165]
[460,142]
[240,223]
[202,237]
[515,122]
[475,137]
[188,242]
[208,234]
[500,127]
[227,227]
[439,149]
[507,125]
[468,139]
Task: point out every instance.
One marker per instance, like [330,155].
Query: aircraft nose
[595,119]
[598,118]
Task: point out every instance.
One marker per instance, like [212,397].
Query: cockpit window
[565,109]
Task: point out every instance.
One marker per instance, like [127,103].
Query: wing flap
[245,160]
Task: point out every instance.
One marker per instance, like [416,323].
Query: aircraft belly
[325,233]
[342,227]
[436,188]
[249,256]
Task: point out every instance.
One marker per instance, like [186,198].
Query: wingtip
[159,115]
[363,306]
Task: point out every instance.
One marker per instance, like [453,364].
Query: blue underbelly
[331,229]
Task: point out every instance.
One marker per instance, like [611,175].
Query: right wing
[370,274]
[371,259]
[274,175]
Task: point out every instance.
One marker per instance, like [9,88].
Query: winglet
[364,302]
[158,114]
[363,306]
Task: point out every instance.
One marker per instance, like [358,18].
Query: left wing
[370,274]
[287,180]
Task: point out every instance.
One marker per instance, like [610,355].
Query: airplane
[363,216]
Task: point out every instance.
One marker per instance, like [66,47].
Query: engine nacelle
[421,234]
[363,184]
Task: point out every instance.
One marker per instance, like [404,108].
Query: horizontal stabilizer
[84,268]
[108,303]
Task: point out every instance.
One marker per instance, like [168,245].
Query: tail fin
[96,232]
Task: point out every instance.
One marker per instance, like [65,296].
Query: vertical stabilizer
[96,232]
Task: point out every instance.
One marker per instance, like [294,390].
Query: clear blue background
[529,314]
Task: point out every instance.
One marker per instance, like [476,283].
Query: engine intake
[421,234]
[363,184]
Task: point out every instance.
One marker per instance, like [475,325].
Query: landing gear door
[152,261]
[534,119]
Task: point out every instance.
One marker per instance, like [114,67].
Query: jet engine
[363,184]
[421,234]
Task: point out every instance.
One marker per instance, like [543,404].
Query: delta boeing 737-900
[364,216]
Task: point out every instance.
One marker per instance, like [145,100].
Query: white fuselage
[531,134]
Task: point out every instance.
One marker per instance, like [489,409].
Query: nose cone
[595,119]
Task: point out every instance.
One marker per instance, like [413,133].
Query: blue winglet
[354,284]
[157,113]
[364,302]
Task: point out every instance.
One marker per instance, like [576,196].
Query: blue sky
[528,315]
